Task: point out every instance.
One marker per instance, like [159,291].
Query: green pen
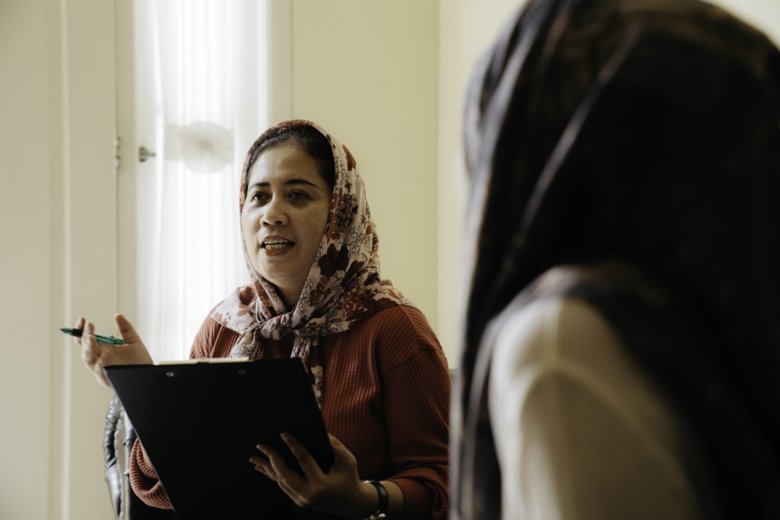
[106,340]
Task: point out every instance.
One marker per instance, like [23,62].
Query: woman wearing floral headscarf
[379,373]
[621,353]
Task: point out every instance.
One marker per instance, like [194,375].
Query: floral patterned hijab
[343,285]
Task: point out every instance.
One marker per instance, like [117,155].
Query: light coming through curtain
[206,75]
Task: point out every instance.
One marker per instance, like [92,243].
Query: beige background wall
[56,136]
[388,78]
[367,71]
[25,275]
[466,29]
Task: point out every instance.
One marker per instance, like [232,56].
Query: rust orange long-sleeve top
[385,396]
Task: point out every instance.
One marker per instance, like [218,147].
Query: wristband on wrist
[383,502]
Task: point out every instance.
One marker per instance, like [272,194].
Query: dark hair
[311,140]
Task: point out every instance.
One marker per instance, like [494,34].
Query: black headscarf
[643,133]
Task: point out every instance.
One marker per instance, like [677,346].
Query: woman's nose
[275,213]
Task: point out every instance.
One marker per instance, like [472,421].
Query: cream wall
[466,29]
[59,236]
[367,71]
[763,14]
[25,276]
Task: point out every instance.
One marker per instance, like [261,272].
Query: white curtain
[205,64]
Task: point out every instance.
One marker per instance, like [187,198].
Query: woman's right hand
[96,356]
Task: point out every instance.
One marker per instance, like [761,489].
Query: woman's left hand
[338,492]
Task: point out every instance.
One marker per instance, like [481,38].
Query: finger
[307,463]
[126,329]
[91,344]
[342,455]
[93,355]
[266,473]
[293,493]
[337,444]
[283,472]
[78,325]
[271,455]
[88,355]
[258,461]
[82,340]
[262,465]
[90,351]
[254,459]
[81,324]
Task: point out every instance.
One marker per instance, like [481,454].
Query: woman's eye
[299,195]
[259,196]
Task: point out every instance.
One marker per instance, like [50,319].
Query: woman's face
[284,216]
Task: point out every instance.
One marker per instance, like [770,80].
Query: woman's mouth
[276,244]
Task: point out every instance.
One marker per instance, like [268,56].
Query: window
[200,100]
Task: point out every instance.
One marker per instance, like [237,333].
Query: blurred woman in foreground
[621,353]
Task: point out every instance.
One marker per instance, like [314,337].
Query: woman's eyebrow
[288,182]
[300,181]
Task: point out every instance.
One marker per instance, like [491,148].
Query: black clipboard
[200,422]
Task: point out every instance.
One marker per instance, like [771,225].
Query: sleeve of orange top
[144,481]
[416,405]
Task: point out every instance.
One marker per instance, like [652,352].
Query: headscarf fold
[641,133]
[343,285]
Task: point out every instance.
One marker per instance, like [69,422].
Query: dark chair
[117,444]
